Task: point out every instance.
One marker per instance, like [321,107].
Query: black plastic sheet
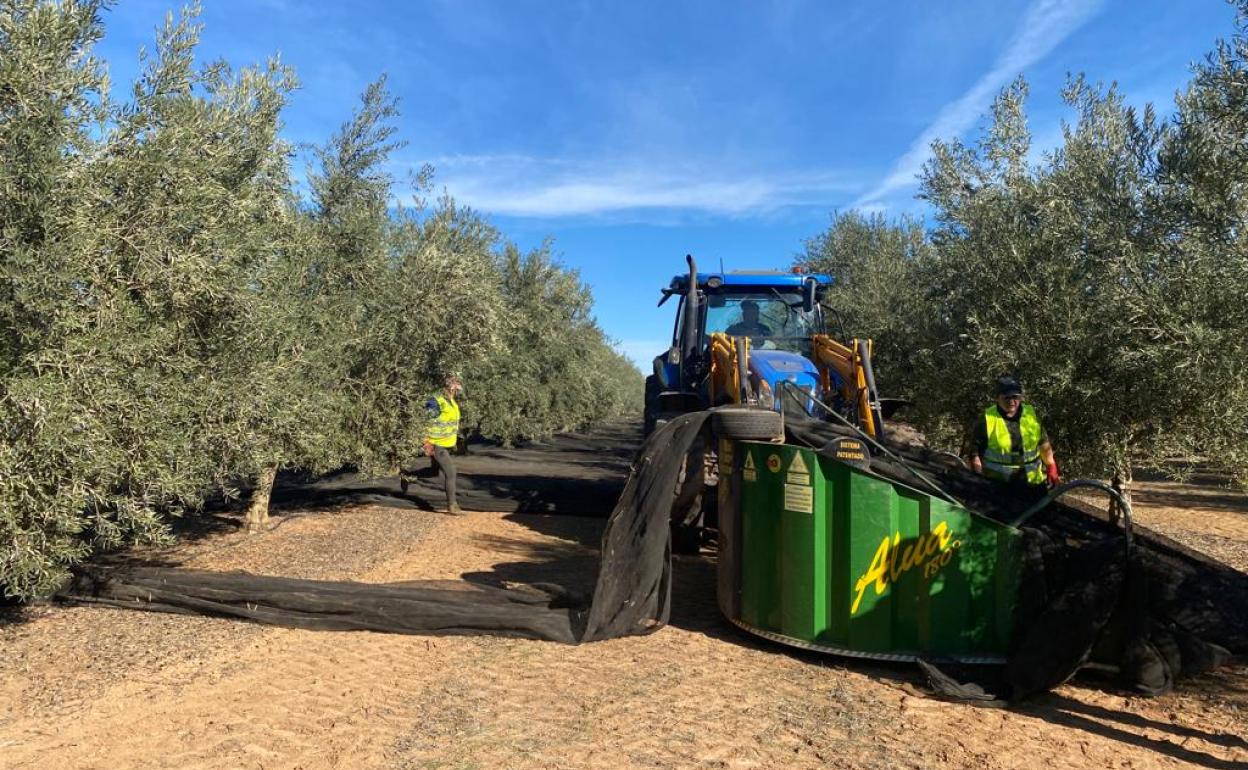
[1152,613]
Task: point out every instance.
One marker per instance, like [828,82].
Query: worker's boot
[403,483]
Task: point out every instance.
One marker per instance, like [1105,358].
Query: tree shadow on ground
[1126,727]
[1229,501]
[1204,487]
[573,562]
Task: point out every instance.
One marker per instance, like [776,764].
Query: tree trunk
[258,511]
[1122,485]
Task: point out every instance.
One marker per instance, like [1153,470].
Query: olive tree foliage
[50,94]
[130,237]
[874,292]
[438,314]
[371,309]
[556,370]
[1084,276]
[177,323]
[1203,179]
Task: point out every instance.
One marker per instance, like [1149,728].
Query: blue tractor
[752,345]
[761,340]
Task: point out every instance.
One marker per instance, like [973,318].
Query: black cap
[1008,386]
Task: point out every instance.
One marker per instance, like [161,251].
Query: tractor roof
[768,279]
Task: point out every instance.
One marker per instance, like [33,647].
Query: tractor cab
[740,337]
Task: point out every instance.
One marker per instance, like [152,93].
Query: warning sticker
[748,471]
[799,498]
[798,473]
[773,463]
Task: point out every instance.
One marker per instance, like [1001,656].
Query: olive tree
[1076,275]
[875,292]
[556,370]
[133,234]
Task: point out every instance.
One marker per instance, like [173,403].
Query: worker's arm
[979,443]
[1050,464]
[435,411]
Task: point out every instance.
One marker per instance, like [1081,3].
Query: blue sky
[635,132]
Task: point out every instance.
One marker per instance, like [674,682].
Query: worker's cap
[1008,386]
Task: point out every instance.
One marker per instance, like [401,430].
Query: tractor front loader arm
[852,364]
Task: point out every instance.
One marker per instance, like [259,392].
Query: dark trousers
[442,462]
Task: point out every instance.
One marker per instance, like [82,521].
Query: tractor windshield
[771,320]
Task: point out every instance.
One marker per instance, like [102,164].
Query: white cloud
[1045,25]
[520,185]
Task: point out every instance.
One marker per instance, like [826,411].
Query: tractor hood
[772,366]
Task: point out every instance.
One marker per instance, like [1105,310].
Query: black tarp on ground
[1163,613]
[632,594]
[567,474]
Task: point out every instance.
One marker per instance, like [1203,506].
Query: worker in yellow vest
[440,441]
[1010,443]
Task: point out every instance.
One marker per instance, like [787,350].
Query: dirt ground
[87,687]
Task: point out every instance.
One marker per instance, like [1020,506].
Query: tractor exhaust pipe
[689,339]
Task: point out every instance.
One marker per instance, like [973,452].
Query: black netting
[632,594]
[1151,613]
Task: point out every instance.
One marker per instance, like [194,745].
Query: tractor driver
[749,325]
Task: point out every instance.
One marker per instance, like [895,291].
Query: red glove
[1053,476]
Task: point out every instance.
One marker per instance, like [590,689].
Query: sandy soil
[87,687]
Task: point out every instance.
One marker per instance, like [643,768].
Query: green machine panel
[827,556]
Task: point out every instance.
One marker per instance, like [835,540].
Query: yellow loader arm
[852,364]
[725,383]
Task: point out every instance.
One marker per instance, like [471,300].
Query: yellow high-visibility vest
[999,462]
[445,428]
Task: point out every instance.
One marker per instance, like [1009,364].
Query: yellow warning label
[749,471]
[798,465]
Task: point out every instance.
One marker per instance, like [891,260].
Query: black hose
[932,484]
[1061,489]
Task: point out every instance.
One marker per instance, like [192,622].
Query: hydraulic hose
[1061,489]
[804,395]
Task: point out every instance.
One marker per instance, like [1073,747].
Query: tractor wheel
[748,424]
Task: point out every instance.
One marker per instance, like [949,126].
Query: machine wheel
[748,424]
